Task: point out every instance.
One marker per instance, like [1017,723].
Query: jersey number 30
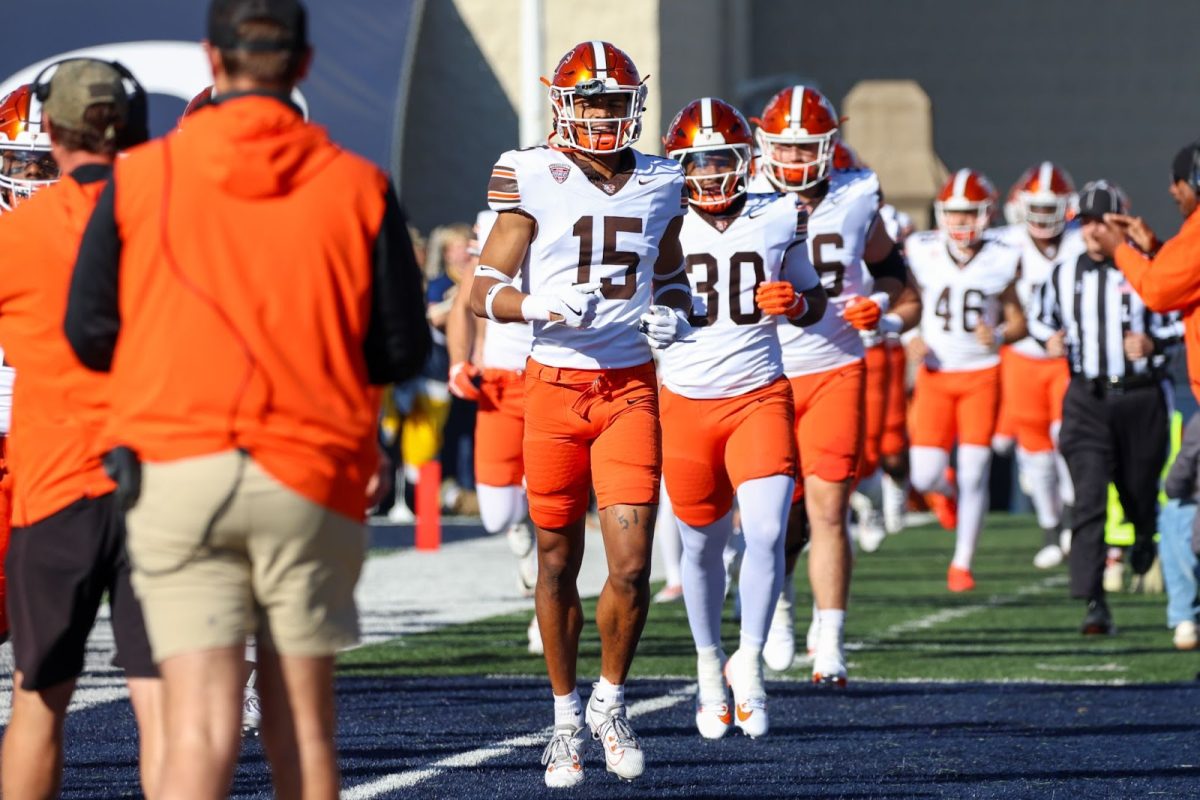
[706,284]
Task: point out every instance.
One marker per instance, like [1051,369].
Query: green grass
[1019,624]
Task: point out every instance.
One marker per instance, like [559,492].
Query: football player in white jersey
[971,307]
[824,362]
[727,415]
[593,226]
[487,366]
[1032,383]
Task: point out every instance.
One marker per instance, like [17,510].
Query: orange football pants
[1032,392]
[894,440]
[710,447]
[584,428]
[874,408]
[949,406]
[500,428]
[829,422]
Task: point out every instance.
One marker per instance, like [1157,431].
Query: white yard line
[474,758]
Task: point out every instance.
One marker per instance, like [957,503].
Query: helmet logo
[559,172]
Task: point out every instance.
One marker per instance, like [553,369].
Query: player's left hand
[863,313]
[780,297]
[986,335]
[1138,346]
[664,326]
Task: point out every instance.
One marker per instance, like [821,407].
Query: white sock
[928,470]
[1041,476]
[568,710]
[703,578]
[764,503]
[709,679]
[500,506]
[974,464]
[831,623]
[608,695]
[895,497]
[666,539]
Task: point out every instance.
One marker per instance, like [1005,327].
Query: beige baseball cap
[80,83]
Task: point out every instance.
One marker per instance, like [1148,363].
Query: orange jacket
[59,408]
[247,246]
[1171,282]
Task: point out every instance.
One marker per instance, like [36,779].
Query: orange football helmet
[1044,199]
[591,70]
[26,164]
[712,141]
[798,116]
[967,191]
[844,158]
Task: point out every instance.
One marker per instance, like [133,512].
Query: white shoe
[622,753]
[1048,557]
[1185,636]
[251,712]
[400,513]
[561,757]
[520,539]
[534,634]
[829,665]
[713,714]
[894,499]
[779,651]
[871,531]
[527,574]
[1114,576]
[745,675]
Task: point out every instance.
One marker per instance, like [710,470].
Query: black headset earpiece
[137,127]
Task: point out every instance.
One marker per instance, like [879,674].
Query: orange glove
[863,313]
[779,297]
[464,381]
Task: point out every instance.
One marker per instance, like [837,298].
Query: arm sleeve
[93,319]
[1169,282]
[398,341]
[1044,318]
[893,266]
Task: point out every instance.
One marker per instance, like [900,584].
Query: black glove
[124,467]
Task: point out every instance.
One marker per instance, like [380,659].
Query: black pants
[1111,437]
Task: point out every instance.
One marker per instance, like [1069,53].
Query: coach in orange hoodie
[246,281]
[68,544]
[1167,276]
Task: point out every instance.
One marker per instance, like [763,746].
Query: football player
[971,308]
[487,366]
[1033,384]
[593,226]
[824,362]
[727,411]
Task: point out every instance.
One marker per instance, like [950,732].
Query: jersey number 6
[611,255]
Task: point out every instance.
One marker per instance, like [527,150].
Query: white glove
[664,326]
[575,304]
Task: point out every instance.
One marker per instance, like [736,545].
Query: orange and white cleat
[564,769]
[714,714]
[744,672]
[959,579]
[829,665]
[623,755]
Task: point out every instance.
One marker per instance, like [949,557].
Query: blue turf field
[872,740]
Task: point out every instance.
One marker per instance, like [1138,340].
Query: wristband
[484,271]
[891,324]
[672,287]
[535,308]
[881,299]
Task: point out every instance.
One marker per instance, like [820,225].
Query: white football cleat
[622,752]
[561,757]
[829,665]
[534,634]
[779,651]
[745,675]
[871,531]
[251,712]
[895,497]
[1048,557]
[527,574]
[713,713]
[520,539]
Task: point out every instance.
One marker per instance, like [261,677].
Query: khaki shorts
[222,550]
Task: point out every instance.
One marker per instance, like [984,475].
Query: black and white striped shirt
[1096,306]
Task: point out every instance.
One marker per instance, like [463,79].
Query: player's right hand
[576,305]
[862,313]
[464,381]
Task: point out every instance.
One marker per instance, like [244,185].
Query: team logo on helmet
[559,172]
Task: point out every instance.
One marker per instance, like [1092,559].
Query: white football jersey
[957,298]
[837,238]
[734,347]
[1036,268]
[7,378]
[585,234]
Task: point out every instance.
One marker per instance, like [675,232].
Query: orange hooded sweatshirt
[249,280]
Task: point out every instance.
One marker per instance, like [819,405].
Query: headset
[137,126]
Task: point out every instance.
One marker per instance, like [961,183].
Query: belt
[1115,384]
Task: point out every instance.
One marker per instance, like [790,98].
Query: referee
[1114,422]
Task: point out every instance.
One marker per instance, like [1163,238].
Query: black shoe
[1098,621]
